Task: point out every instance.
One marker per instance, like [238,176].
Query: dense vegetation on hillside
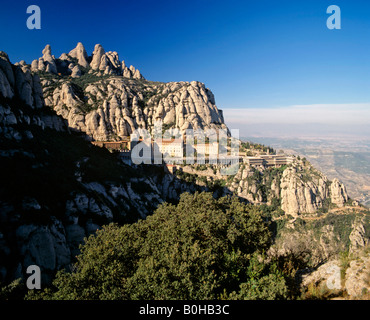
[202,248]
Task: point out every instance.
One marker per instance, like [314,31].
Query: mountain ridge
[101,96]
[59,188]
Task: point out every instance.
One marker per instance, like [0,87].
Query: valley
[347,158]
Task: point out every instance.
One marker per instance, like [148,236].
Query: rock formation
[45,63]
[357,276]
[80,54]
[338,193]
[97,55]
[304,190]
[336,253]
[300,188]
[106,105]
[354,283]
[58,188]
[357,237]
[35,230]
[38,145]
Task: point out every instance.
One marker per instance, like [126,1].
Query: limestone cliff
[337,241]
[298,187]
[56,187]
[305,190]
[103,97]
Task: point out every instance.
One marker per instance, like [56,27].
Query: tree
[266,282]
[202,248]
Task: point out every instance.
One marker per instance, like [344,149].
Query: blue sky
[251,54]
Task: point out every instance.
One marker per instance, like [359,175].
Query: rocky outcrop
[6,76]
[354,285]
[297,188]
[45,246]
[321,276]
[45,63]
[357,277]
[76,72]
[20,82]
[304,190]
[246,185]
[313,246]
[108,104]
[113,109]
[99,63]
[80,54]
[35,230]
[97,55]
[338,193]
[107,62]
[358,239]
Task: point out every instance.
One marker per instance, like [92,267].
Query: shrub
[202,248]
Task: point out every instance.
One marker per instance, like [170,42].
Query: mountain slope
[297,188]
[56,187]
[101,96]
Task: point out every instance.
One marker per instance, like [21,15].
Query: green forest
[201,248]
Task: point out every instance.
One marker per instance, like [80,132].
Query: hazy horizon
[321,120]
